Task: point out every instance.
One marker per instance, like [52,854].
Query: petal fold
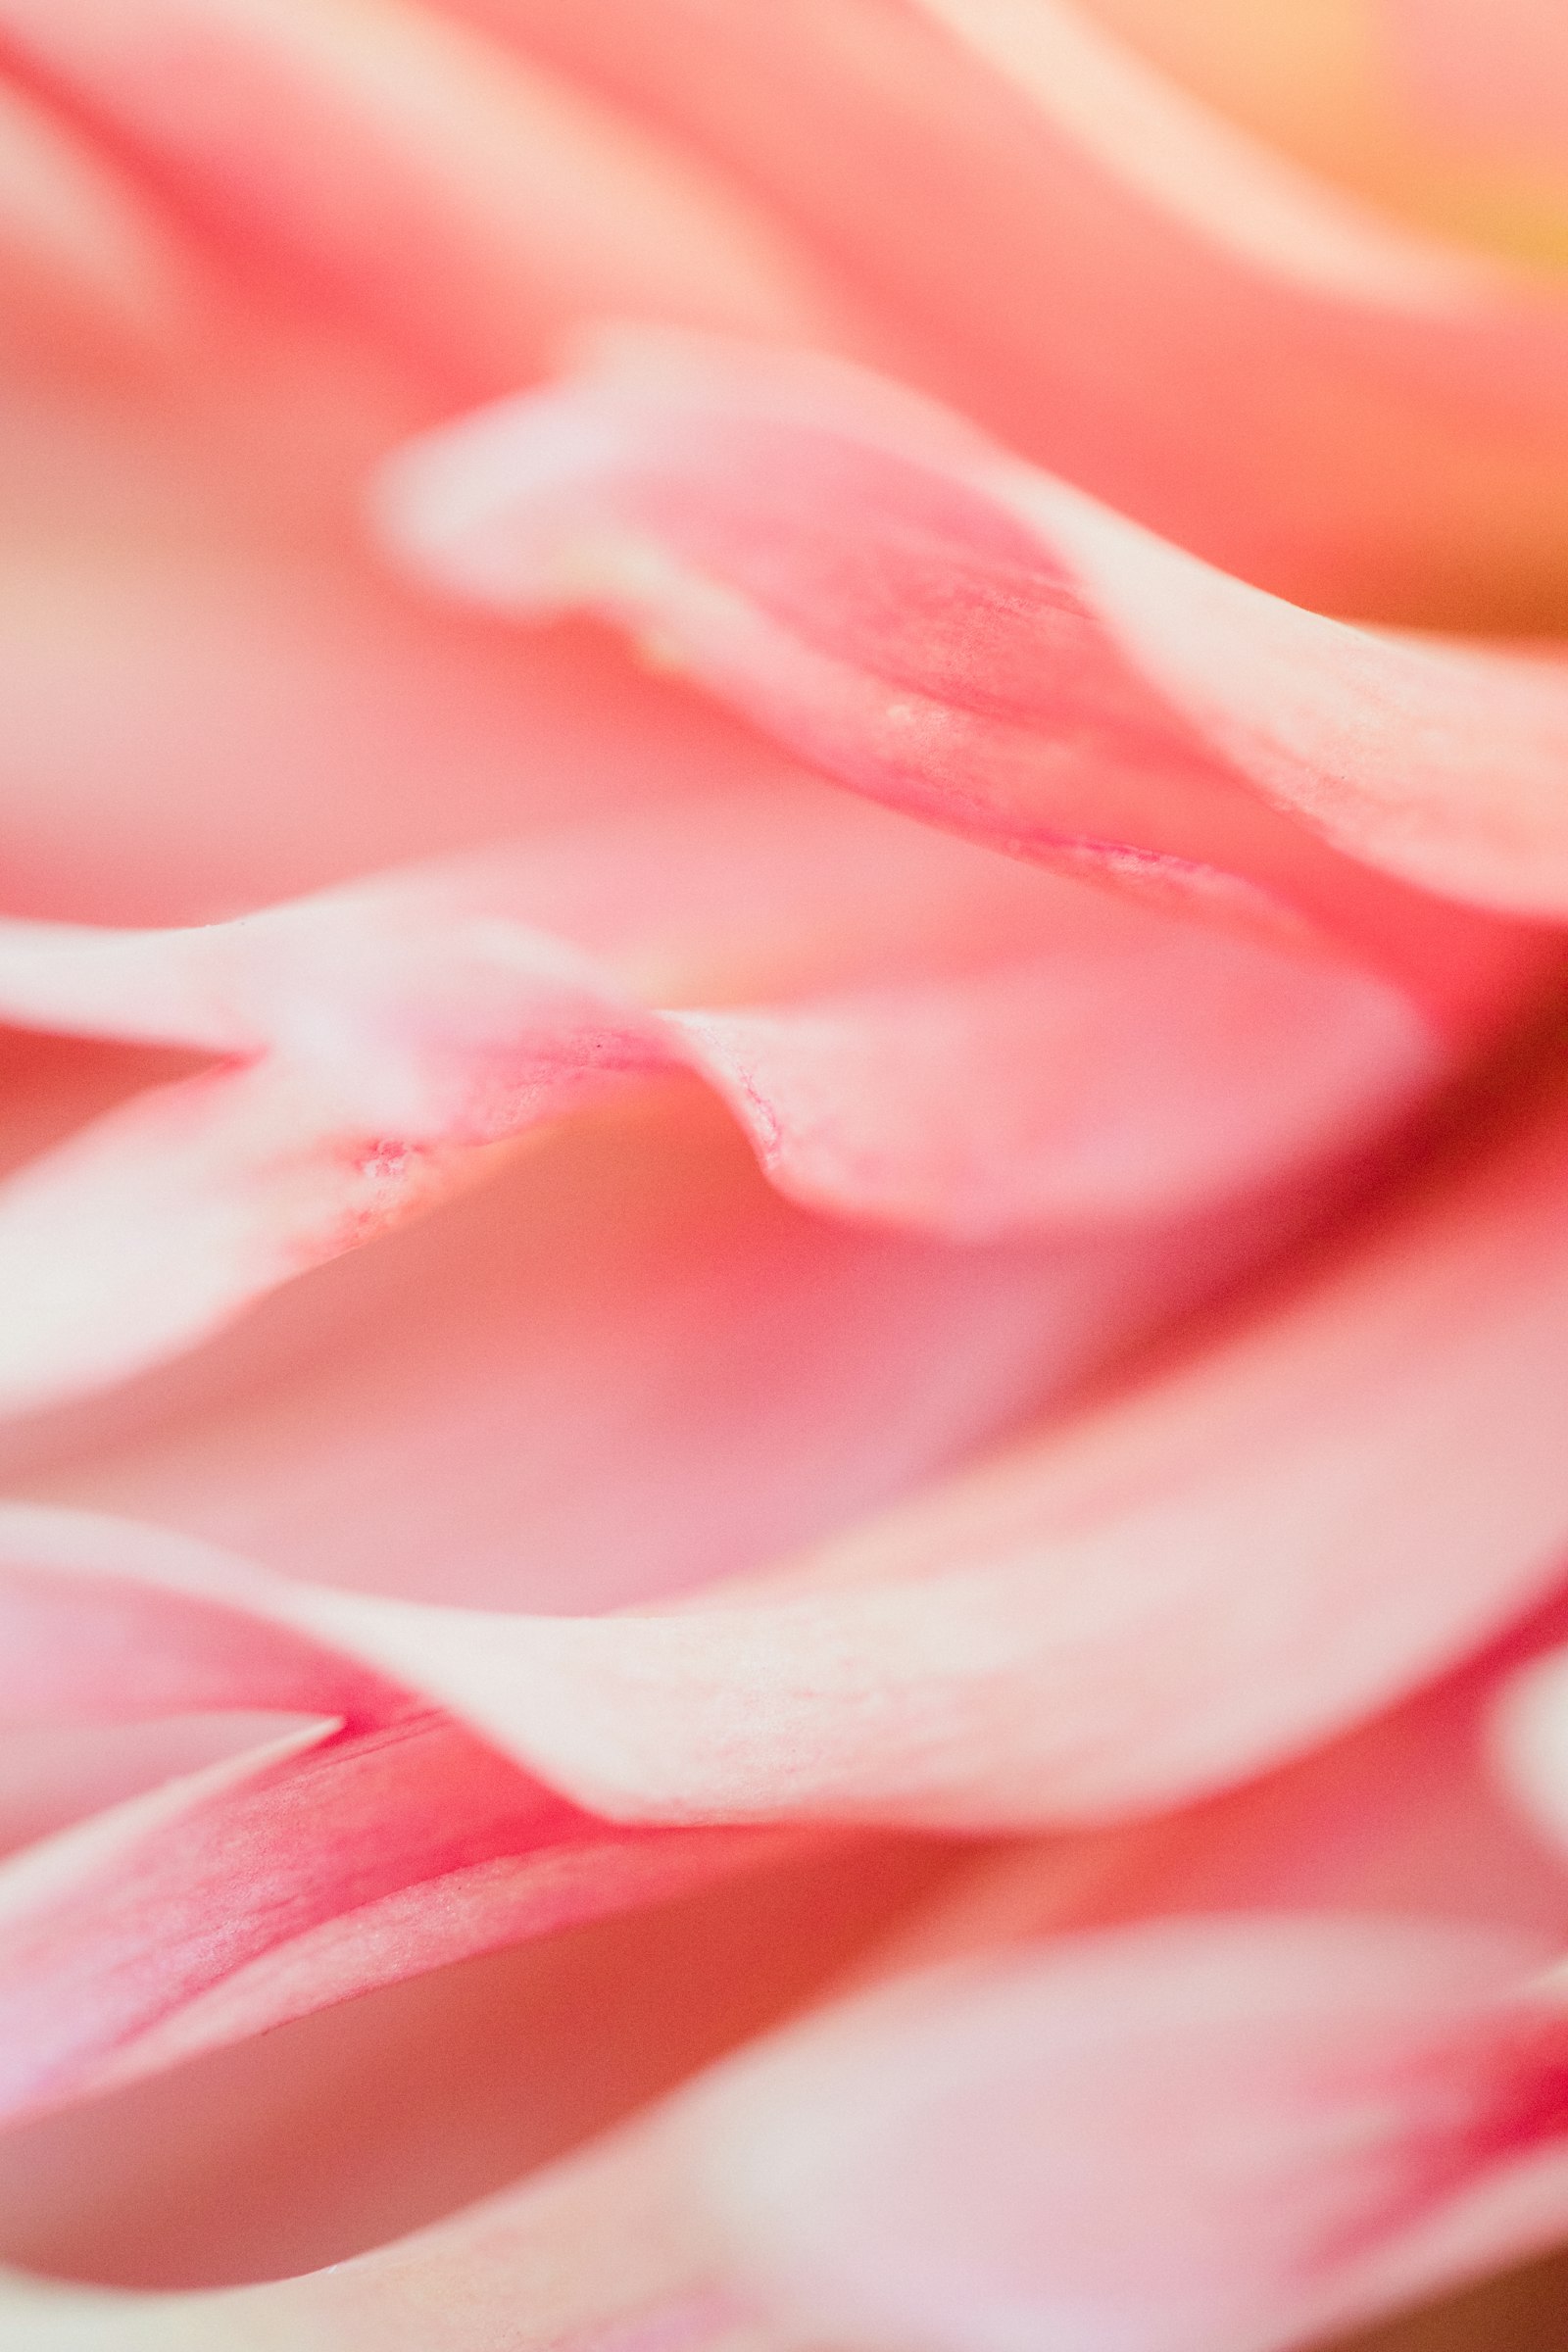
[250,1895]
[458,204]
[380,1844]
[1145,300]
[942,627]
[915,1031]
[1213,1571]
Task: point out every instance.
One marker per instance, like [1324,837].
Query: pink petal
[300,1875]
[600,2255]
[1060,1090]
[942,628]
[174,711]
[1405,1818]
[1508,94]
[373,1846]
[633,1349]
[89,278]
[399,1845]
[1532,1732]
[1238,2133]
[628,1349]
[1209,1572]
[1343,1825]
[1080,1629]
[81,1595]
[444,195]
[943,1040]
[344,2129]
[1406,1814]
[1435,115]
[53,1774]
[1132,292]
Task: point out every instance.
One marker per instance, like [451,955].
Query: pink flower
[785,1480]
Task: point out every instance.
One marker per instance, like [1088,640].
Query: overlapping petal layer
[1236,1554]
[1148,302]
[939,626]
[625,1367]
[1396,98]
[1001,1655]
[1430,2054]
[88,283]
[1211,1572]
[1311,2120]
[908,1030]
[373,1845]
[456,202]
[1206,1574]
[602,2255]
[344,2128]
[250,1895]
[208,1627]
[1299,1946]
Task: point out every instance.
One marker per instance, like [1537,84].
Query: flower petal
[90,280]
[344,2130]
[1133,292]
[944,1040]
[200,729]
[392,1428]
[601,2254]
[1339,1827]
[623,1368]
[1213,1571]
[445,195]
[1285,2110]
[941,627]
[1416,104]
[1222,1565]
[305,1872]
[357,1850]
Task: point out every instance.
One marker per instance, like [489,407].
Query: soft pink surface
[1081,1624]
[1360,419]
[909,1031]
[599,1327]
[940,626]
